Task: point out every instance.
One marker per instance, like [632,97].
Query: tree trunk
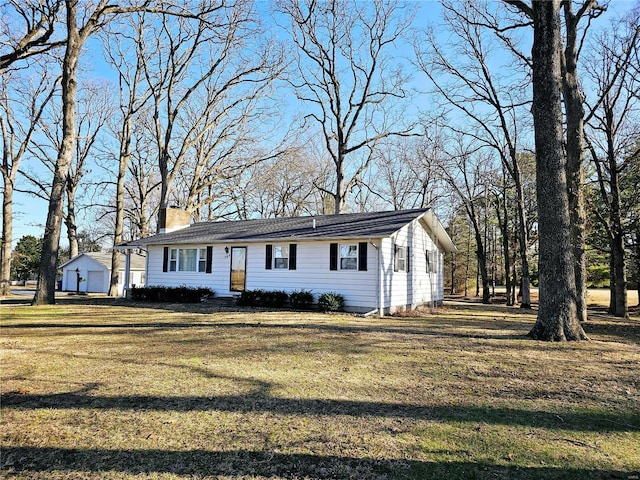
[523,242]
[612,283]
[557,313]
[7,235]
[620,307]
[70,222]
[45,289]
[125,147]
[481,256]
[619,298]
[574,111]
[453,274]
[503,224]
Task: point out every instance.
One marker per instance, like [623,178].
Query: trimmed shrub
[301,300]
[330,302]
[250,298]
[182,294]
[273,299]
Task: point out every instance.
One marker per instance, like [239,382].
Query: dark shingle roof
[349,225]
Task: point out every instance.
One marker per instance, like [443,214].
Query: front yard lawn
[108,389]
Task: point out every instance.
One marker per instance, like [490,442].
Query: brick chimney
[171,219]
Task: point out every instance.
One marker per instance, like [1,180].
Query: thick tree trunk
[574,111]
[557,313]
[45,289]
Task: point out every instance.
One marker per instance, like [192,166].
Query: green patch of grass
[118,390]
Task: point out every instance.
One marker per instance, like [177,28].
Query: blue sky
[30,213]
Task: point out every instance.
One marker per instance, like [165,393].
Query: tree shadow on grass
[261,401]
[242,463]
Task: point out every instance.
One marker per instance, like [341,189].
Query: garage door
[94,282]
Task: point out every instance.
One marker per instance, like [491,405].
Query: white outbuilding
[93,269]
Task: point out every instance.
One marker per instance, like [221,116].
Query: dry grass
[103,389]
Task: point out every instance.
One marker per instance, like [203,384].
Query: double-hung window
[280,256]
[400,259]
[432,261]
[348,256]
[187,259]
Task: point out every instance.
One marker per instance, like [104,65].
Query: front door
[238,268]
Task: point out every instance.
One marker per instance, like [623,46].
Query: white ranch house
[380,262]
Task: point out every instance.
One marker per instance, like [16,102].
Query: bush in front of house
[182,294]
[274,299]
[250,298]
[301,300]
[263,298]
[331,302]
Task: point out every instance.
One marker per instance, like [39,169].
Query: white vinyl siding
[312,273]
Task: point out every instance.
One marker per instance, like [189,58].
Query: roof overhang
[432,223]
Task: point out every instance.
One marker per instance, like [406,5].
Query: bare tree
[467,170]
[126,55]
[612,137]
[93,110]
[21,107]
[557,314]
[403,175]
[574,115]
[27,30]
[206,76]
[346,79]
[81,21]
[495,104]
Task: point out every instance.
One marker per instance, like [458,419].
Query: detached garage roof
[321,227]
[138,262]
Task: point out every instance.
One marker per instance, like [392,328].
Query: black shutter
[165,259]
[209,260]
[408,256]
[362,256]
[268,257]
[333,256]
[293,252]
